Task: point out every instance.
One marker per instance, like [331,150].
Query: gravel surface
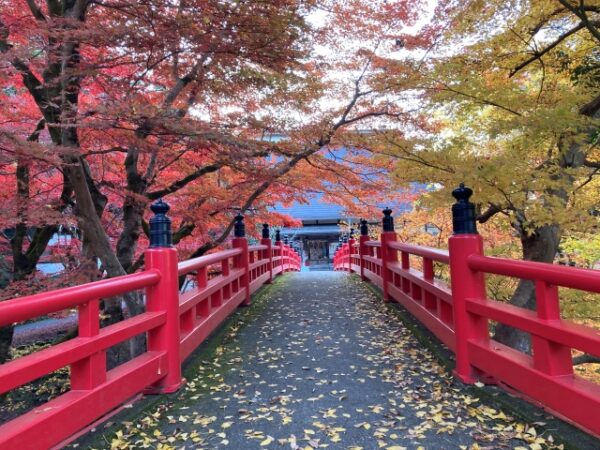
[326,365]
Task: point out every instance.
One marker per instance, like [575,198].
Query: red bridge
[456,310]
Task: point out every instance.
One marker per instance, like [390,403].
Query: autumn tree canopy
[109,105]
[513,94]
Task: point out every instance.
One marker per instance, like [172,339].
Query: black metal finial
[265,231]
[277,235]
[286,239]
[364,228]
[351,233]
[239,229]
[388,220]
[160,226]
[463,211]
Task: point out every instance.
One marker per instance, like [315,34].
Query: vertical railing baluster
[91,371]
[549,357]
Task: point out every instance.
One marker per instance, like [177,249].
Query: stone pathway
[326,365]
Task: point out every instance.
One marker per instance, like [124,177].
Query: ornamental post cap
[239,229]
[351,233]
[160,207]
[462,193]
[364,227]
[464,218]
[388,220]
[265,231]
[160,226]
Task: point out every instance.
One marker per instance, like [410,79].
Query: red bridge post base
[164,296]
[241,262]
[363,251]
[468,285]
[387,256]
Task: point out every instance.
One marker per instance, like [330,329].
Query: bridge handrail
[435,254]
[257,248]
[175,325]
[190,265]
[459,314]
[31,306]
[569,277]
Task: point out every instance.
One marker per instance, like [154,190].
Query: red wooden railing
[174,325]
[459,316]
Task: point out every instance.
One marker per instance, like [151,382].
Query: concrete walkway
[326,365]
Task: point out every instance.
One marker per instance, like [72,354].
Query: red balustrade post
[203,309]
[429,299]
[242,261]
[351,243]
[363,250]
[466,283]
[164,297]
[345,256]
[388,255]
[279,249]
[268,253]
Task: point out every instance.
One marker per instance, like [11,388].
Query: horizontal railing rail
[32,306]
[173,324]
[458,311]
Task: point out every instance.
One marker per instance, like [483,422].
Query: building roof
[315,209]
[312,231]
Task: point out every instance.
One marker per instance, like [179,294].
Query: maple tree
[111,105]
[511,89]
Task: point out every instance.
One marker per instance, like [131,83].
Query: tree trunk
[540,246]
[6,333]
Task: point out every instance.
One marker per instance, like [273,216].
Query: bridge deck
[325,364]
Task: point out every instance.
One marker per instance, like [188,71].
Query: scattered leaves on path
[327,365]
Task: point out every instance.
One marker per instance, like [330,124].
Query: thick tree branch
[489,213]
[184,181]
[580,11]
[538,54]
[585,359]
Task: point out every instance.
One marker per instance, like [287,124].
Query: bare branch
[580,11]
[585,359]
[483,101]
[184,181]
[538,54]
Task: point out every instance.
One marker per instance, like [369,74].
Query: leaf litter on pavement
[326,366]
